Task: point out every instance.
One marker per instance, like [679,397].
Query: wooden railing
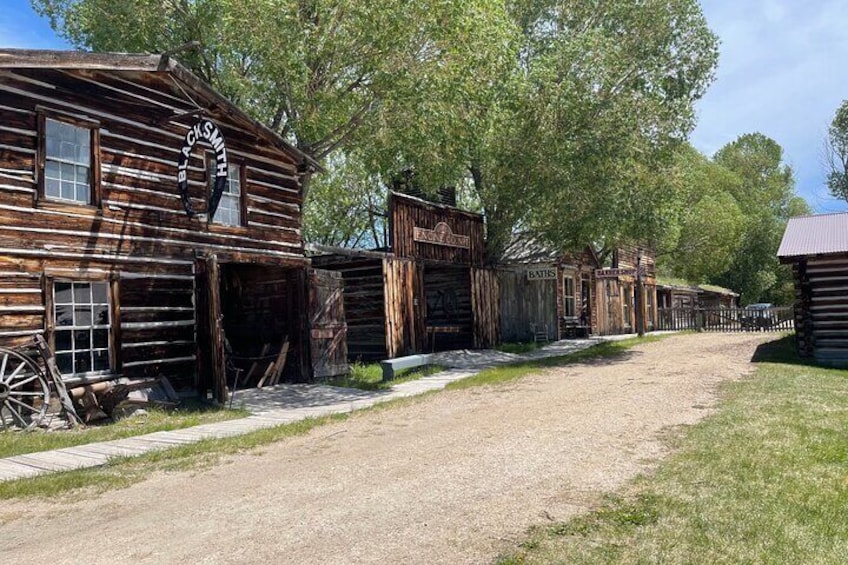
[725,319]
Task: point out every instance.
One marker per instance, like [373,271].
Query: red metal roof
[815,235]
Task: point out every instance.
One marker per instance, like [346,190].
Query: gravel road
[455,478]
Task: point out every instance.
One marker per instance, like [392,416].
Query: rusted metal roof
[815,235]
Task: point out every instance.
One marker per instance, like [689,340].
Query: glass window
[568,295]
[229,208]
[67,162]
[627,303]
[82,328]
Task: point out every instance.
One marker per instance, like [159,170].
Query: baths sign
[541,274]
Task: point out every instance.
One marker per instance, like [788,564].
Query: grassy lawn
[518,347]
[370,376]
[764,480]
[156,420]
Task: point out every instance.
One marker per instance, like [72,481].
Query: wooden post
[640,297]
[216,330]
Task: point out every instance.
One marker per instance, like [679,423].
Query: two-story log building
[109,164]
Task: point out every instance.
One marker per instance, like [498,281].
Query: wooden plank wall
[328,330]
[524,302]
[802,309]
[407,213]
[405,329]
[140,235]
[141,212]
[364,302]
[485,294]
[447,292]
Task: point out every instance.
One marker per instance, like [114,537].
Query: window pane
[83,194]
[82,315]
[51,169]
[63,293]
[101,360]
[100,315]
[52,188]
[82,293]
[82,174]
[101,338]
[64,315]
[65,362]
[68,151]
[98,293]
[82,339]
[63,340]
[67,191]
[82,362]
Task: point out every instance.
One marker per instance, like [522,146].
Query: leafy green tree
[837,153]
[766,196]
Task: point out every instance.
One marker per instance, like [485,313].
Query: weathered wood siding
[138,236]
[447,292]
[327,326]
[407,213]
[523,303]
[405,329]
[485,302]
[364,303]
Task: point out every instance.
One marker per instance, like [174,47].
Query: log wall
[137,234]
[823,307]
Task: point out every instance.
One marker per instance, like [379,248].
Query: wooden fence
[725,319]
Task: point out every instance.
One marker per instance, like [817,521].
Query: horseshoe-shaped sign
[209,132]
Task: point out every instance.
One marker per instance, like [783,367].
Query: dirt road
[456,478]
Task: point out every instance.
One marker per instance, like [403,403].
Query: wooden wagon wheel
[24,391]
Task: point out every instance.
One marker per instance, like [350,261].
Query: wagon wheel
[24,391]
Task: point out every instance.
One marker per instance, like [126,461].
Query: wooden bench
[573,328]
[392,366]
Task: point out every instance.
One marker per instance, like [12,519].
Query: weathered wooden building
[545,292]
[108,164]
[817,249]
[430,291]
[616,288]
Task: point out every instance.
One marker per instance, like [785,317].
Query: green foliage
[761,481]
[837,153]
[735,212]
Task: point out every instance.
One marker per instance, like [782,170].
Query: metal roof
[815,235]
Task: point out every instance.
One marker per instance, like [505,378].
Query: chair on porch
[540,332]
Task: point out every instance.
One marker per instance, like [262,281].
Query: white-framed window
[67,162]
[82,327]
[627,304]
[568,295]
[229,208]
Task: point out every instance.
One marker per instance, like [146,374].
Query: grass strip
[190,414]
[370,376]
[764,480]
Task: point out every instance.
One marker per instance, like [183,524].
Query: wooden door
[327,327]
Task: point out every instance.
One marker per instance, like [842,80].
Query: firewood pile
[108,399]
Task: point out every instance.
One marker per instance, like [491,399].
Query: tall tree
[837,153]
[766,196]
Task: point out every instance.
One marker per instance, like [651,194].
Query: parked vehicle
[759,315]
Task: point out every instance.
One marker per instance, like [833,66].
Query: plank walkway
[275,406]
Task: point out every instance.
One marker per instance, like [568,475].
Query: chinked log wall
[821,314]
[140,235]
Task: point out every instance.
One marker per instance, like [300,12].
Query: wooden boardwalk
[274,406]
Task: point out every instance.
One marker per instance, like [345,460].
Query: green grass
[764,480]
[518,347]
[512,371]
[370,376]
[190,414]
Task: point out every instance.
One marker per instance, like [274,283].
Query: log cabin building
[430,291]
[816,247]
[616,291]
[108,164]
[545,293]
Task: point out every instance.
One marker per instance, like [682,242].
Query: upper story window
[229,212]
[69,161]
[568,295]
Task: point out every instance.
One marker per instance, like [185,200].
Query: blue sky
[783,71]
